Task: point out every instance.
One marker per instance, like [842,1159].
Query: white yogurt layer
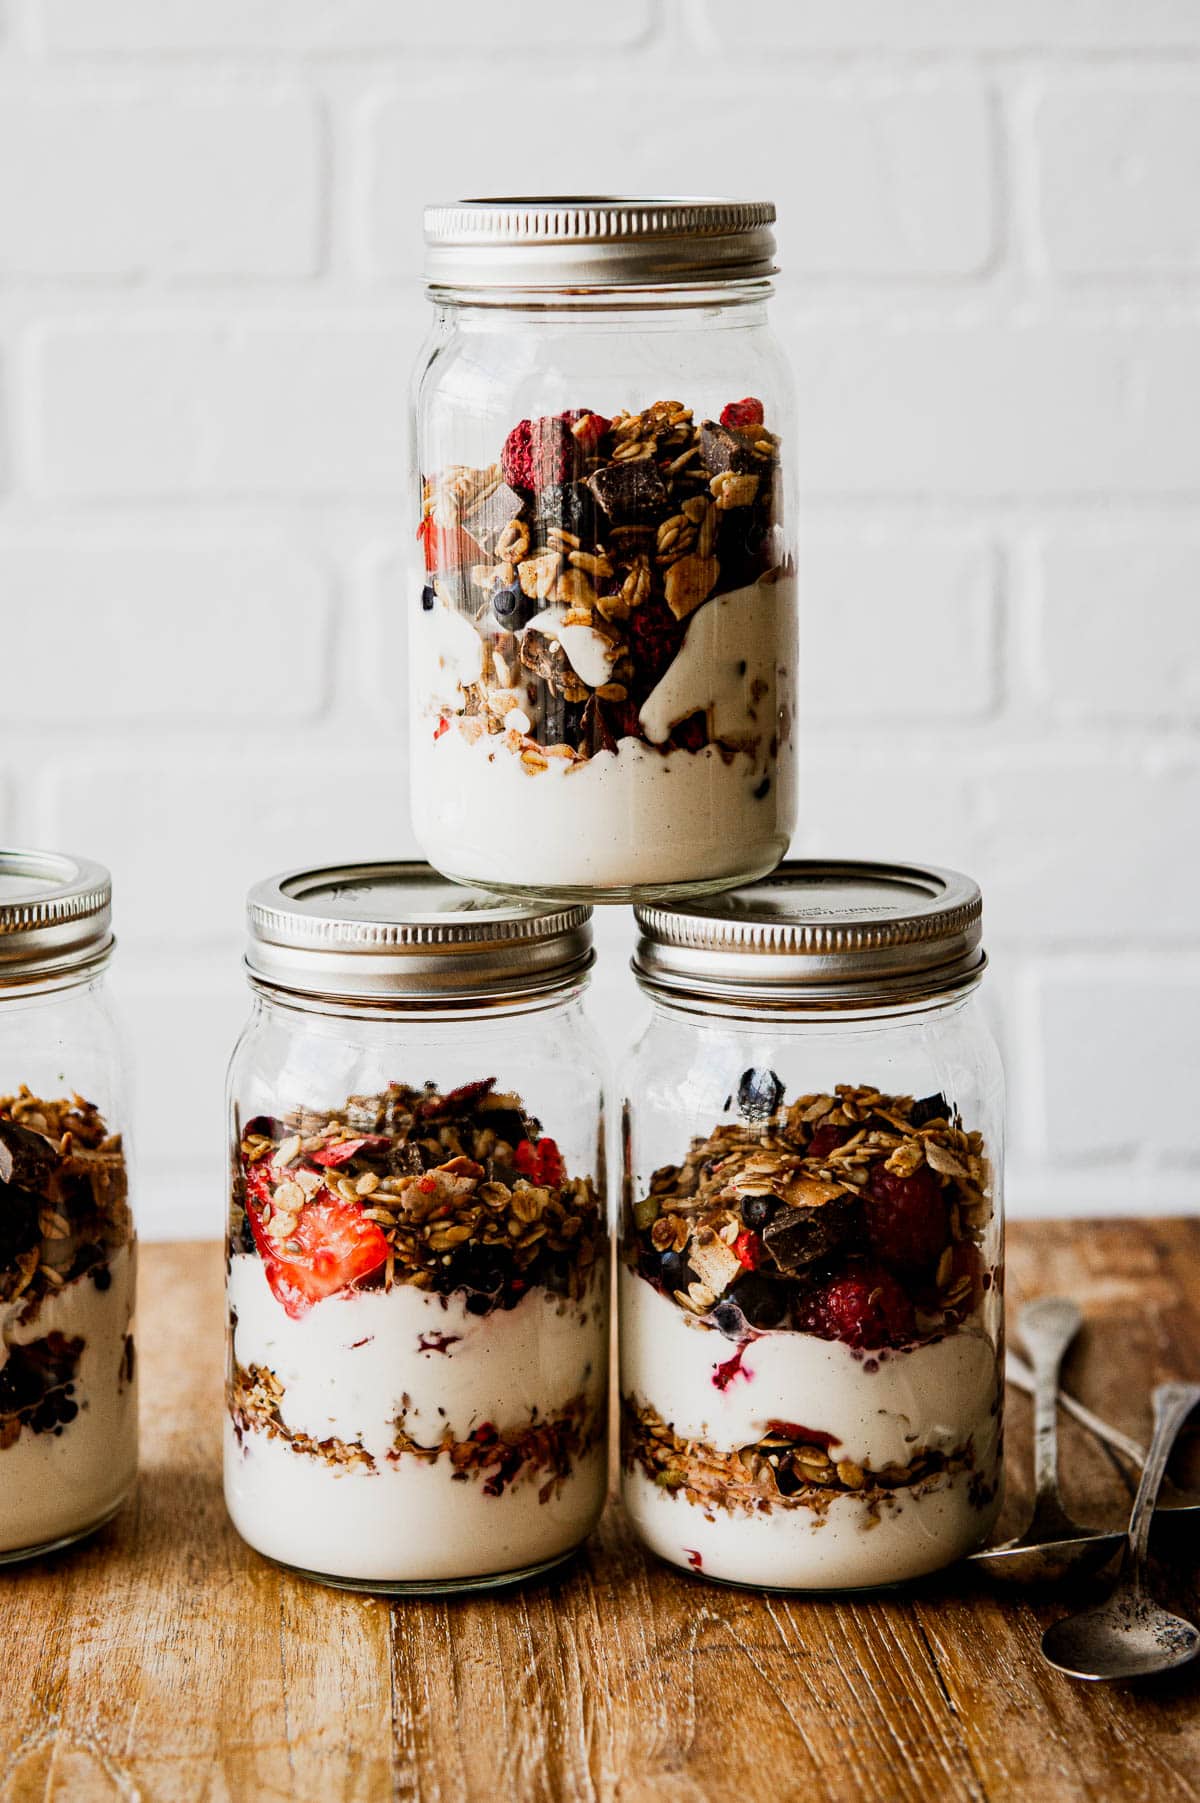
[935,1396]
[588,652]
[879,1409]
[727,665]
[55,1485]
[448,653]
[796,1549]
[348,1367]
[636,816]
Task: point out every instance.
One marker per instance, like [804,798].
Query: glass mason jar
[603,633]
[811,1242]
[418,1278]
[68,1397]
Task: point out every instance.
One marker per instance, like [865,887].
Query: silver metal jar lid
[399,932]
[55,915]
[820,933]
[590,241]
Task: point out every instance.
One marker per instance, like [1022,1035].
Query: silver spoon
[1171,1499]
[1052,1543]
[1130,1636]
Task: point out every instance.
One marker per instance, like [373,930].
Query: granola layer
[855,1215]
[567,581]
[446,1192]
[784,1470]
[68,1402]
[64,1207]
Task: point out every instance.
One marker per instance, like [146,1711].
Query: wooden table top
[165,1661]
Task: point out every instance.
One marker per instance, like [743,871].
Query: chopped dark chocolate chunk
[487,518]
[571,507]
[27,1159]
[930,1108]
[728,448]
[799,1237]
[629,492]
[19,1230]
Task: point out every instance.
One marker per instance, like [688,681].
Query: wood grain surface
[165,1661]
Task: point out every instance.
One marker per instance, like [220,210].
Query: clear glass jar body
[68,1394]
[811,1336]
[602,656]
[418,1291]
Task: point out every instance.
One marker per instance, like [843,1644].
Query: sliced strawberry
[540,1161]
[334,1246]
[748,1248]
[447,547]
[344,1149]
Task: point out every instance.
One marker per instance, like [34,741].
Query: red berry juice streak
[724,1374]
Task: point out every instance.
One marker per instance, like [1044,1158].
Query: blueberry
[757,1210]
[675,1271]
[728,1317]
[428,598]
[759,1094]
[759,1300]
[511,607]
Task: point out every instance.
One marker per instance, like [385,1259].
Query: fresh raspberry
[748,1247]
[827,1139]
[906,1218]
[538,454]
[655,635]
[864,1306]
[540,1161]
[587,428]
[743,413]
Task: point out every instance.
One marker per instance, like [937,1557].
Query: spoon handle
[1047,1328]
[1173,1403]
[1020,1375]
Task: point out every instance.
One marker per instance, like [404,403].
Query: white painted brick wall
[208,249]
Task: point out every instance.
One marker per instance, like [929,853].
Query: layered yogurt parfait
[68,1398]
[418,1340]
[810,1343]
[604,648]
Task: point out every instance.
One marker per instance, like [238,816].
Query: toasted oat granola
[582,555]
[543,1450]
[502,1457]
[254,1397]
[447,1192]
[64,1206]
[883,1195]
[781,1471]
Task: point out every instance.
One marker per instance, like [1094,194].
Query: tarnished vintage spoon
[1052,1544]
[1130,1636]
[1172,1499]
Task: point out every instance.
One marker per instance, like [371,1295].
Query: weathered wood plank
[166,1662]
[1029,1729]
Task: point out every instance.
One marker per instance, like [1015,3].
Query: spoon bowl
[1129,1636]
